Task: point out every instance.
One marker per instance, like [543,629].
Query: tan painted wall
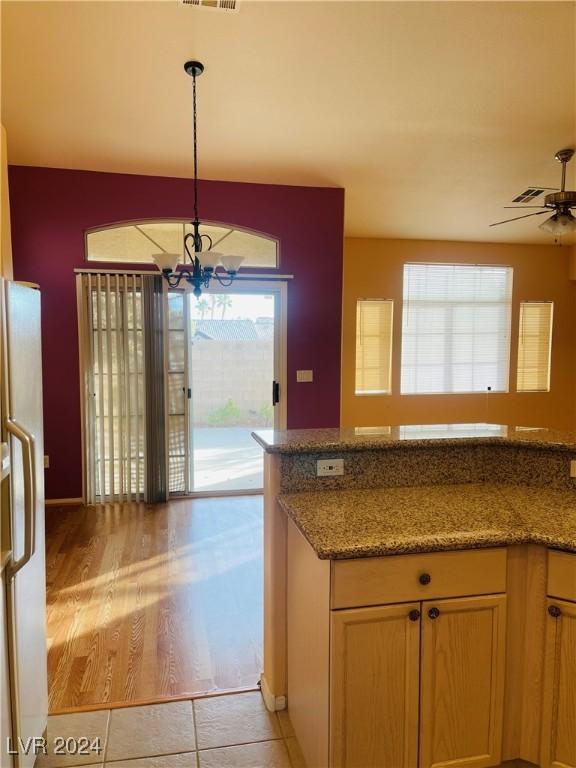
[5,239]
[373,269]
[240,371]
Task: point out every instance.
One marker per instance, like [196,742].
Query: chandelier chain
[195,147]
[196,273]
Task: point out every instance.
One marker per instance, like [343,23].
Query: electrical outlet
[573,468]
[329,467]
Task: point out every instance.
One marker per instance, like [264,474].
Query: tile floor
[231,731]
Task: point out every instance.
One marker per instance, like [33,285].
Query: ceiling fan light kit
[559,224]
[561,202]
[203,264]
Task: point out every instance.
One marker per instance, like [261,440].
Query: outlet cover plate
[304,376]
[329,467]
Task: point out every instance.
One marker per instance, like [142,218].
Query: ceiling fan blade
[539,213]
[545,189]
[519,207]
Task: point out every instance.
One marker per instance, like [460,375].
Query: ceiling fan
[559,200]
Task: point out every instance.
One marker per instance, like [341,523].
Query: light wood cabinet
[433,661]
[388,686]
[559,703]
[407,578]
[462,681]
[561,575]
[375,687]
[418,678]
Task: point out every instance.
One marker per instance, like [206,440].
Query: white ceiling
[432,115]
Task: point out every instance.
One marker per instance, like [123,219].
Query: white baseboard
[64,502]
[273,703]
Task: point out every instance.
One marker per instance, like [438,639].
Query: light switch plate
[302,376]
[573,468]
[46,462]
[329,467]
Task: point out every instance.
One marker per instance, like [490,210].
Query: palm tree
[224,302]
[212,305]
[202,306]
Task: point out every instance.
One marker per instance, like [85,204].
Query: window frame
[383,392]
[510,312]
[169,219]
[550,345]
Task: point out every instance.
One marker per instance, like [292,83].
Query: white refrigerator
[24,688]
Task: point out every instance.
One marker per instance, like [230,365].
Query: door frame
[279,290]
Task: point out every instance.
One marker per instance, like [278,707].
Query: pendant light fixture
[560,223]
[203,264]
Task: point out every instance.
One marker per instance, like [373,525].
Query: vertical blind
[110,315]
[178,402]
[534,346]
[155,414]
[455,328]
[373,346]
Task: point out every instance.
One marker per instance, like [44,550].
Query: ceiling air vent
[528,195]
[223,5]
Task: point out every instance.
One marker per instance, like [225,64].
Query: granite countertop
[410,436]
[389,521]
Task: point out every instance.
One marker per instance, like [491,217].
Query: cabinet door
[559,704]
[374,687]
[462,681]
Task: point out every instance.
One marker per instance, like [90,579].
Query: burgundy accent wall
[51,209]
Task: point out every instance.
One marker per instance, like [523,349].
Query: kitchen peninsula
[420,608]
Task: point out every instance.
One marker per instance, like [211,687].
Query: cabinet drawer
[402,578]
[562,575]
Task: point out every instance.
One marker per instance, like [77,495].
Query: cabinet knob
[424,578]
[414,615]
[554,611]
[433,613]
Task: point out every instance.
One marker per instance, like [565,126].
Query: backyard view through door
[222,357]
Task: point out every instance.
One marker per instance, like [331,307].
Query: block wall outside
[236,371]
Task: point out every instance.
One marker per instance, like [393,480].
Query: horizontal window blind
[374,346]
[534,346]
[455,328]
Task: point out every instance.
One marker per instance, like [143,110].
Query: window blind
[374,346]
[455,328]
[534,346]
[177,376]
[112,347]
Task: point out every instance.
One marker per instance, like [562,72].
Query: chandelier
[203,263]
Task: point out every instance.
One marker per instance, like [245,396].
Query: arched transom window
[135,242]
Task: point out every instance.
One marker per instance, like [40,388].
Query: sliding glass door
[174,386]
[224,371]
[177,392]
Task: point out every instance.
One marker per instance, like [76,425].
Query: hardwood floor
[152,602]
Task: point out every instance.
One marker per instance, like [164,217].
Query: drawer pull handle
[414,615]
[424,579]
[433,613]
[554,611]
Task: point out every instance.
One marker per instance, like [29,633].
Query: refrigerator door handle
[27,442]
